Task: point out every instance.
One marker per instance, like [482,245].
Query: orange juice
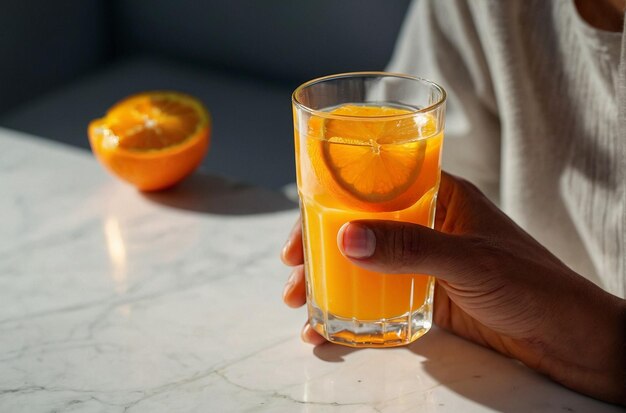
[357,161]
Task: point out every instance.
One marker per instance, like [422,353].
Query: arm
[496,286]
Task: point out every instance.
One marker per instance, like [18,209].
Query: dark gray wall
[44,44]
[291,40]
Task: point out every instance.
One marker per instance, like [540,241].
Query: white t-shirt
[536,118]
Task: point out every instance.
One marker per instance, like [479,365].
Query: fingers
[311,336]
[292,253]
[463,209]
[398,247]
[456,203]
[444,197]
[294,293]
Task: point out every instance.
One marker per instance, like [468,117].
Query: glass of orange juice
[368,146]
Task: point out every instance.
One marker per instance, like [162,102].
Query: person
[537,120]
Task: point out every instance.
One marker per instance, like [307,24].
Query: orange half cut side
[152,139]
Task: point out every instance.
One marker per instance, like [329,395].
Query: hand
[496,286]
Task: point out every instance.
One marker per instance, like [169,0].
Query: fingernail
[285,247]
[356,240]
[289,284]
[309,335]
[305,333]
[292,277]
[287,289]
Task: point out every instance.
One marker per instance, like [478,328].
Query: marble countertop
[116,301]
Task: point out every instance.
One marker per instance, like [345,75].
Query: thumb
[400,248]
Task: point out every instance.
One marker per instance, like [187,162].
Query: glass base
[389,332]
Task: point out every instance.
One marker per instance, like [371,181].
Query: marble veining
[117,301]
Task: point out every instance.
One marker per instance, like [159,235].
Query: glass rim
[346,75]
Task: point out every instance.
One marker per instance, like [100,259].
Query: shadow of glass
[333,353]
[211,194]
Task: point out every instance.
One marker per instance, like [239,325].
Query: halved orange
[370,157]
[152,139]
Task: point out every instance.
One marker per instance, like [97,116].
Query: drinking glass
[367,146]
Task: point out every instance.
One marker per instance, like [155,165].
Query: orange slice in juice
[373,160]
[153,139]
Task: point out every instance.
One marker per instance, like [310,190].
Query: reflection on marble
[113,301]
[117,253]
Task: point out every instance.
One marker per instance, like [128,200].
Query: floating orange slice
[370,157]
[153,139]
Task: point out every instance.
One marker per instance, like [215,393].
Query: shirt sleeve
[439,41]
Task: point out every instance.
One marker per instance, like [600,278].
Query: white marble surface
[113,301]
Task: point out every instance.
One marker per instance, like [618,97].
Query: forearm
[586,350]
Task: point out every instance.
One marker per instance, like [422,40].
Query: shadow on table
[493,380]
[333,353]
[480,375]
[211,194]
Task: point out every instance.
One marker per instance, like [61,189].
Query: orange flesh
[153,122]
[152,140]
